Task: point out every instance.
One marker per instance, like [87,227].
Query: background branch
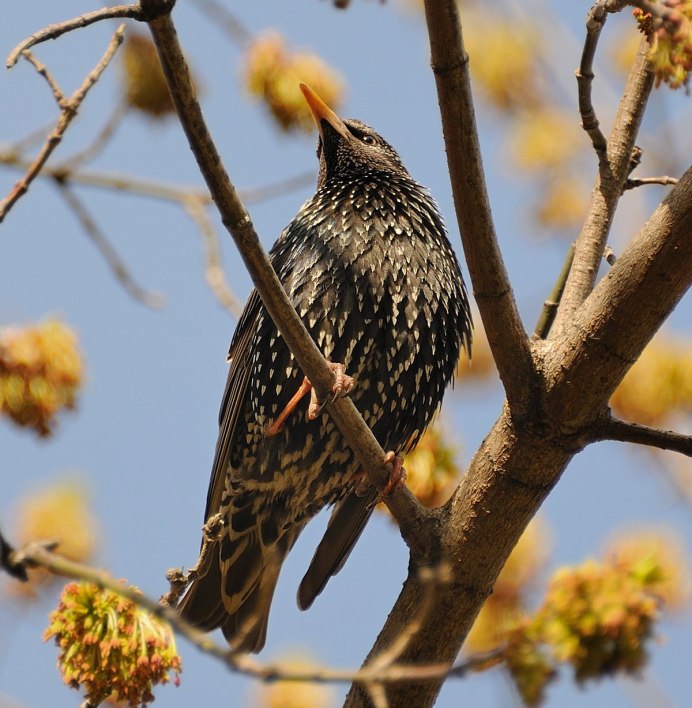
[69,108]
[106,249]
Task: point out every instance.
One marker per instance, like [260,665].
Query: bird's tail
[236,591]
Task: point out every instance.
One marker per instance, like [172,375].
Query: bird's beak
[321,113]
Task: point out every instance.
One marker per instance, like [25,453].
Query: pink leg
[343,385]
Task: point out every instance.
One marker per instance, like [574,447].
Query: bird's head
[348,147]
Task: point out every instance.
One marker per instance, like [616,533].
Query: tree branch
[56,30]
[606,194]
[520,461]
[491,287]
[69,108]
[414,520]
[106,249]
[40,554]
[632,183]
[547,316]
[612,428]
[595,20]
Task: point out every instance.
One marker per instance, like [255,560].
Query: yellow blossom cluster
[671,42]
[144,84]
[597,617]
[40,372]
[659,385]
[111,647]
[273,72]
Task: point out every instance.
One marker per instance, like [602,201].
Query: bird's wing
[233,400]
[344,529]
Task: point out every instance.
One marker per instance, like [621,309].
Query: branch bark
[615,429]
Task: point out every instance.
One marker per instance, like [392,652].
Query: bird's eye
[368,139]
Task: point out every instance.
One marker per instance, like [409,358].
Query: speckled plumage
[369,268]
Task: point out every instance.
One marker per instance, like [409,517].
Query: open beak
[321,113]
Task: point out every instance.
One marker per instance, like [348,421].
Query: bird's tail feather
[237,590]
[345,527]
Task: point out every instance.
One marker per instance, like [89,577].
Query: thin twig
[594,24]
[413,518]
[35,137]
[98,143]
[98,238]
[153,188]
[491,286]
[547,316]
[54,31]
[632,183]
[58,94]
[40,554]
[213,272]
[69,108]
[226,20]
[607,191]
[611,428]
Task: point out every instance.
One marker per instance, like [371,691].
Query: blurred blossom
[294,694]
[659,385]
[41,370]
[273,73]
[59,512]
[144,85]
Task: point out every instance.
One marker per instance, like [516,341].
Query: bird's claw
[343,385]
[397,475]
[396,478]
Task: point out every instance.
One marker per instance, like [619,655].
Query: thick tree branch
[613,172]
[615,429]
[520,461]
[412,517]
[491,287]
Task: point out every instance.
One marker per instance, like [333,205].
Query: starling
[369,268]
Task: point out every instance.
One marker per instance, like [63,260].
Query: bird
[368,266]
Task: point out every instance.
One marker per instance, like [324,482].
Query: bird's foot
[343,385]
[397,475]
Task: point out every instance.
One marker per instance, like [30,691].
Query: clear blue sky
[144,433]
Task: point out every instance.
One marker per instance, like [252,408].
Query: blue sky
[144,433]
